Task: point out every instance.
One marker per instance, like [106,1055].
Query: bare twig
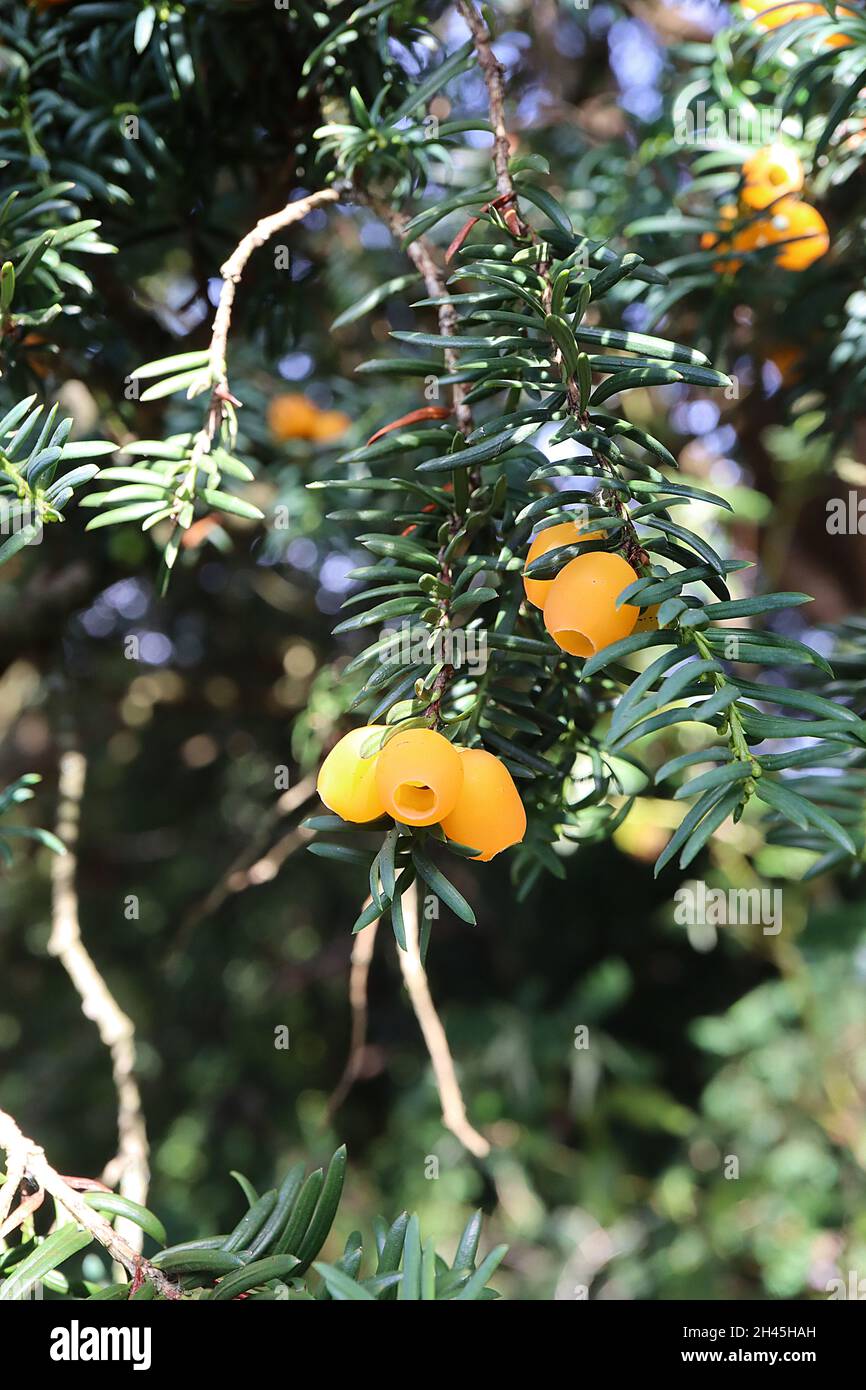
[24,1156]
[26,1207]
[217,375]
[14,1178]
[253,866]
[493,74]
[420,253]
[454,1114]
[359,974]
[129,1168]
[234,267]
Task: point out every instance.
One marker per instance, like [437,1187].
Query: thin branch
[129,1169]
[26,1157]
[454,1115]
[233,269]
[494,74]
[252,866]
[14,1179]
[420,253]
[494,79]
[359,975]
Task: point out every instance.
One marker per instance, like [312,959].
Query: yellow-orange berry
[749,238]
[787,358]
[292,416]
[419,776]
[347,781]
[489,814]
[566,533]
[727,217]
[771,14]
[581,613]
[839,40]
[329,424]
[721,239]
[771,173]
[794,219]
[648,620]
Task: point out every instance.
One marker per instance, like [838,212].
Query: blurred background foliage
[611,1167]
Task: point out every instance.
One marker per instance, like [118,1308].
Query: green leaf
[281,1212]
[210,1264]
[135,511]
[410,1286]
[326,1210]
[750,607]
[433,84]
[251,1222]
[626,647]
[302,1213]
[442,888]
[802,812]
[18,540]
[548,205]
[475,1285]
[467,1247]
[246,1187]
[170,385]
[254,1274]
[709,825]
[370,914]
[841,107]
[634,379]
[690,820]
[49,1254]
[167,366]
[226,502]
[345,854]
[716,777]
[373,299]
[116,1205]
[340,1286]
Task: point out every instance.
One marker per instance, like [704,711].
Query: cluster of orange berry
[294,416]
[420,779]
[772,179]
[580,604]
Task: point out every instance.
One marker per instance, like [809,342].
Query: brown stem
[255,864]
[27,1158]
[454,1115]
[233,269]
[359,974]
[129,1168]
[493,74]
[420,253]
